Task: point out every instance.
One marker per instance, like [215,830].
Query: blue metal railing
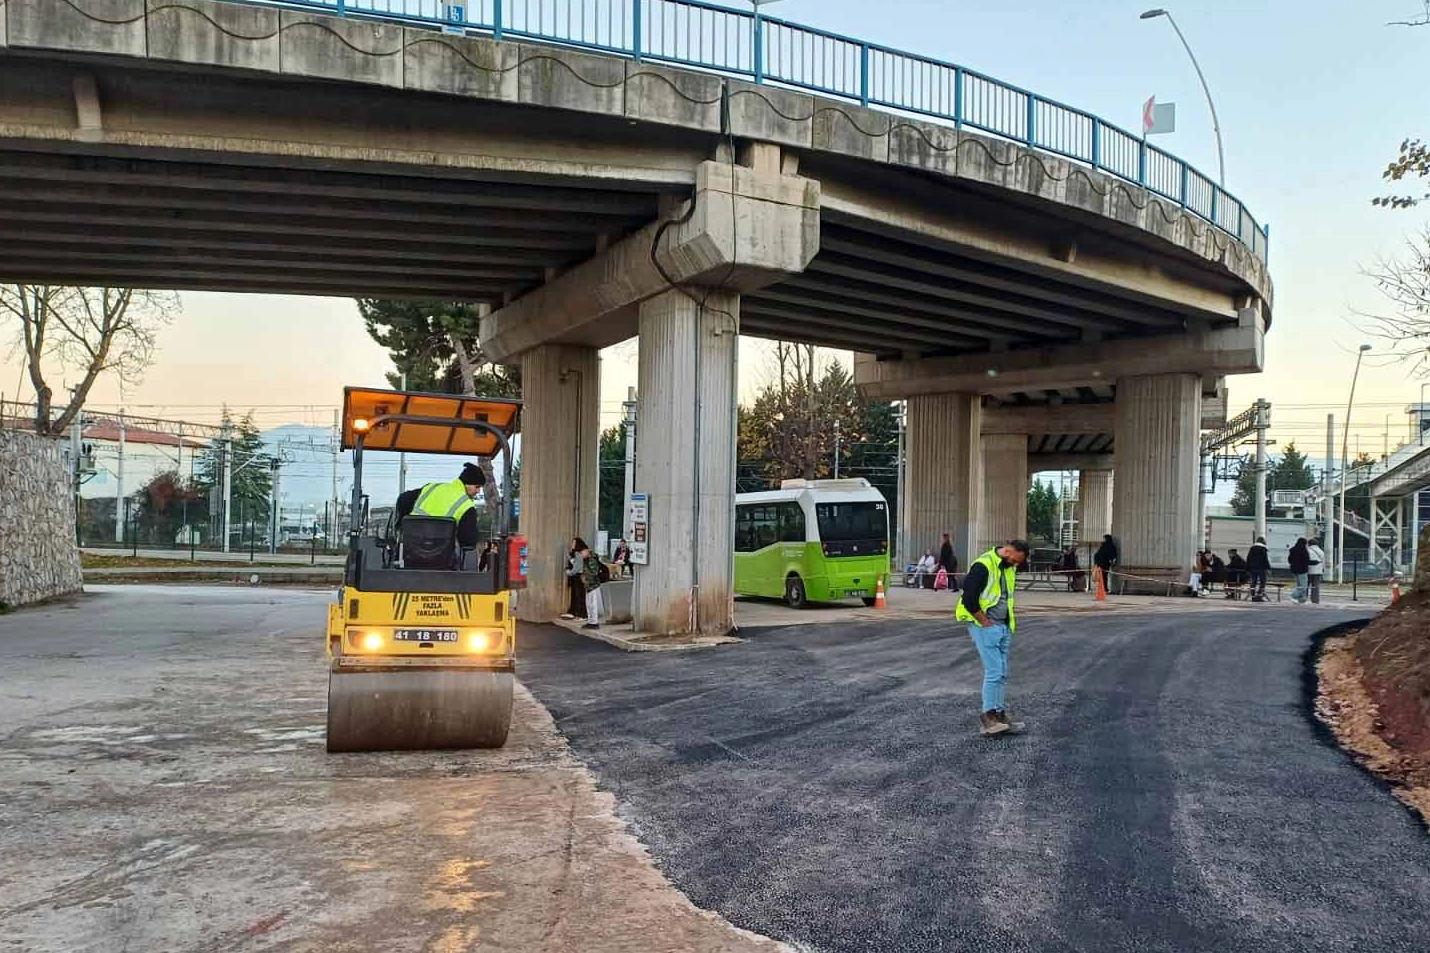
[765,49]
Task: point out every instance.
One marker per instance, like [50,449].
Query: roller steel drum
[418,710]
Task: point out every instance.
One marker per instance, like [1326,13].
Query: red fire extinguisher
[516,562]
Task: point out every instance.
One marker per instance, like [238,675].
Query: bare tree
[1405,284]
[91,331]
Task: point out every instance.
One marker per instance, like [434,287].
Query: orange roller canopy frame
[364,408]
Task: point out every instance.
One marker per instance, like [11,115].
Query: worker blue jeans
[992,644]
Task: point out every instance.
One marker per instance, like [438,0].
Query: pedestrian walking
[948,561]
[1258,564]
[1317,569]
[1299,561]
[986,606]
[593,573]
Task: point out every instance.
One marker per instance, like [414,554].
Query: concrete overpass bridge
[1036,283]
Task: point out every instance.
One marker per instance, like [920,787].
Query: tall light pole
[1420,414]
[1216,124]
[757,39]
[1345,471]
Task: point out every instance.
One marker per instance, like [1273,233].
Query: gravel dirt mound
[1375,696]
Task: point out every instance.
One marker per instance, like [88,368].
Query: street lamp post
[1216,124]
[757,39]
[1345,471]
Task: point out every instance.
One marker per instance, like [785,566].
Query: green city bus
[812,541]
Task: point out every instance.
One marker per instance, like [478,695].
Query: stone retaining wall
[38,555]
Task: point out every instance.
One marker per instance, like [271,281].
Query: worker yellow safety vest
[443,500]
[991,593]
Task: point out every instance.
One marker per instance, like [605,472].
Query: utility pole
[76,465]
[1263,421]
[227,488]
[901,557]
[337,444]
[1328,503]
[629,406]
[402,456]
[119,520]
[273,508]
[836,450]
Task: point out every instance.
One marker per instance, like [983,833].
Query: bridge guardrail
[708,36]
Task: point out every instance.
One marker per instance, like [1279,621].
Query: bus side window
[791,523]
[744,530]
[766,530]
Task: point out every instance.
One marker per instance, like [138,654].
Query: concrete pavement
[825,785]
[163,786]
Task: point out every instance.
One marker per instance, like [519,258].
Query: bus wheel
[794,592]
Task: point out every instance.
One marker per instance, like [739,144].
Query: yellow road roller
[422,641]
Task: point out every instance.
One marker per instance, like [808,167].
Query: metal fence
[769,50]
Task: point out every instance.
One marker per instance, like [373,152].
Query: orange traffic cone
[1101,587]
[879,594]
[1394,588]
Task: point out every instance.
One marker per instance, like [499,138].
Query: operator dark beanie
[472,475]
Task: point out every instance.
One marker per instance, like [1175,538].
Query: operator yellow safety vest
[443,500]
[988,598]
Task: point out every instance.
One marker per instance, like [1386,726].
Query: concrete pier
[1155,504]
[685,461]
[944,469]
[1004,513]
[561,388]
[1095,496]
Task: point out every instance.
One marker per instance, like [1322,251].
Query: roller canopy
[363,408]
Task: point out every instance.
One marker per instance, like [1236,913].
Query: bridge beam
[746,228]
[1068,418]
[1043,462]
[1215,352]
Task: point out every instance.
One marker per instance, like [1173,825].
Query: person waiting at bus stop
[986,605]
[450,500]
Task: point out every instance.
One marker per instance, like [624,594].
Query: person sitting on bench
[450,500]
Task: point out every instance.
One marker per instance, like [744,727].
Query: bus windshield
[847,522]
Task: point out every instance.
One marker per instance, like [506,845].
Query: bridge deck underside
[72,218]
[899,296]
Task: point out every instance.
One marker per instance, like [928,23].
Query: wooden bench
[1243,593]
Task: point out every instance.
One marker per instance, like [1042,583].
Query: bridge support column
[1095,492]
[685,462]
[1004,514]
[1156,502]
[944,464]
[560,434]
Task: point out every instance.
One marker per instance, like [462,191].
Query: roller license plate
[425,635]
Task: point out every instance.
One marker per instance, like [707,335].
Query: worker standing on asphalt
[1258,564]
[1318,567]
[986,604]
[450,500]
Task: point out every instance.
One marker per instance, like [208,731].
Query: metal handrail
[765,49]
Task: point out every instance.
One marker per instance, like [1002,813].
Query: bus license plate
[425,635]
[858,593]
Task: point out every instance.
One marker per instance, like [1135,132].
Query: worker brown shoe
[990,724]
[1014,727]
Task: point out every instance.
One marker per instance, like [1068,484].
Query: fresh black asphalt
[825,785]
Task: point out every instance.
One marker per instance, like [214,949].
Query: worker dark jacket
[1106,556]
[467,533]
[1299,560]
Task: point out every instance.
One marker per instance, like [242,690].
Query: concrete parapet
[354,50]
[770,114]
[217,33]
[851,130]
[39,558]
[567,79]
[663,95]
[88,26]
[461,65]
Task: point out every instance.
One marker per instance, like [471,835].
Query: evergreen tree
[612,487]
[1044,504]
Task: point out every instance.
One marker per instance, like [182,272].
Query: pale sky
[1313,98]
